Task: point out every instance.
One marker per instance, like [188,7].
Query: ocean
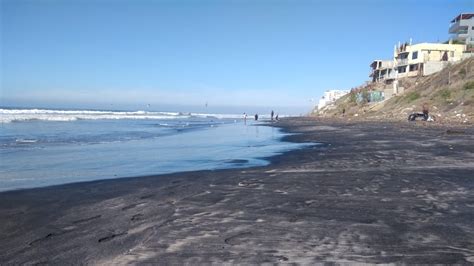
[40,147]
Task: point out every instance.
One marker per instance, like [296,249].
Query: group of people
[272,116]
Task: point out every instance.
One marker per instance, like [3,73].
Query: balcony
[454,26]
[391,75]
[462,20]
[402,62]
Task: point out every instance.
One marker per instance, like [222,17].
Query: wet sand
[370,192]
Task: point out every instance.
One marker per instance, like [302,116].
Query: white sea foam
[18,115]
[26,140]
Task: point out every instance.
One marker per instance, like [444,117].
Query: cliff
[448,93]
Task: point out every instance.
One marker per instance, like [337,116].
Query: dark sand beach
[370,192]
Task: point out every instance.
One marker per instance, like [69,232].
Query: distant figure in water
[245,118]
[271,115]
[256,117]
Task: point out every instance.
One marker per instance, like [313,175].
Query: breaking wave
[19,115]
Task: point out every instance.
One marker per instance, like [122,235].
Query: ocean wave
[25,141]
[19,115]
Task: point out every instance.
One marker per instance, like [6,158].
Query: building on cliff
[423,59]
[330,97]
[383,70]
[462,28]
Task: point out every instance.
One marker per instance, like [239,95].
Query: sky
[202,55]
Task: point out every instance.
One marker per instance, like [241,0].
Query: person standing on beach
[256,117]
[271,115]
[425,111]
[245,118]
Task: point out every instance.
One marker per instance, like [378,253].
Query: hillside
[448,93]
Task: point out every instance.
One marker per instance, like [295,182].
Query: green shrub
[365,96]
[445,94]
[353,97]
[455,42]
[412,96]
[468,85]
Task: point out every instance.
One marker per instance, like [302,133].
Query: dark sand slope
[375,193]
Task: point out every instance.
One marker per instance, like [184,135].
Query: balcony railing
[453,27]
[402,61]
[392,75]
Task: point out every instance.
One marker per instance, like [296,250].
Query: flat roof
[463,16]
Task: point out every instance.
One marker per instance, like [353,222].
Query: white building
[462,28]
[330,96]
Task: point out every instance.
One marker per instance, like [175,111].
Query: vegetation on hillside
[448,93]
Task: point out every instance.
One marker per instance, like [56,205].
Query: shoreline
[231,164]
[372,192]
[48,158]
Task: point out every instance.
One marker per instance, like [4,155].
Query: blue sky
[235,55]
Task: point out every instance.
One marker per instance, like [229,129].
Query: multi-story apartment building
[382,70]
[462,28]
[425,58]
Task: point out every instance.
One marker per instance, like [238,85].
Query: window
[403,55]
[413,67]
[414,55]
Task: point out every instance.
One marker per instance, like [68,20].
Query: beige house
[425,58]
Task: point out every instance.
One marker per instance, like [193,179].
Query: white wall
[431,67]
